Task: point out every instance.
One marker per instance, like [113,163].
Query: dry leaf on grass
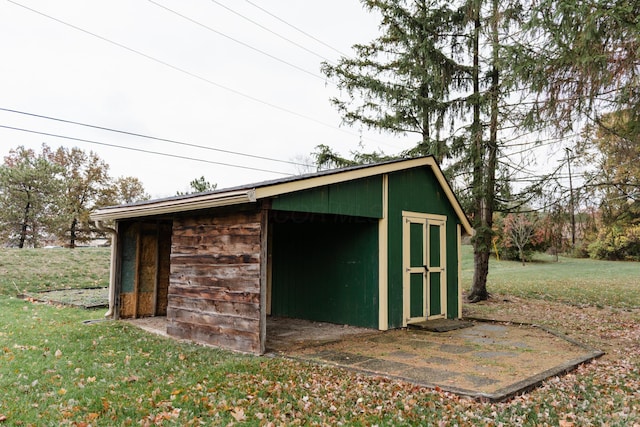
[238,414]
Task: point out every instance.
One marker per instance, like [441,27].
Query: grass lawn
[57,370]
[35,270]
[569,280]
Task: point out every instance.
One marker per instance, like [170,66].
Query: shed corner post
[264,273]
[383,258]
[112,265]
[459,251]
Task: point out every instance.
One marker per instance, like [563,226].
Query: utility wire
[171,141]
[248,46]
[296,28]
[235,12]
[181,70]
[140,150]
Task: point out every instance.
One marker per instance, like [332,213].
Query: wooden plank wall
[147,271]
[164,246]
[214,289]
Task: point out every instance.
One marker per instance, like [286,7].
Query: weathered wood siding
[214,290]
[164,253]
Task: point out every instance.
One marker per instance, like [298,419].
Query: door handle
[426,268]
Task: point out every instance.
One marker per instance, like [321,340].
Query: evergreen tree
[199,185]
[429,74]
[407,80]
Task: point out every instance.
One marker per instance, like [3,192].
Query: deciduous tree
[128,189]
[86,187]
[583,60]
[519,230]
[613,148]
[28,187]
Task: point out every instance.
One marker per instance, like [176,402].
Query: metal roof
[252,192]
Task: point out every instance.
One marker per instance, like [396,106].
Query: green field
[57,370]
[36,270]
[568,280]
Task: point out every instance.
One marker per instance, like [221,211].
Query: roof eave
[248,195]
[164,207]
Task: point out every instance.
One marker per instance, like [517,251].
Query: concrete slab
[487,361]
[441,325]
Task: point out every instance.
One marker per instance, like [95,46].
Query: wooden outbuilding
[374,246]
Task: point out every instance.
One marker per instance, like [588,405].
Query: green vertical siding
[326,269]
[361,197]
[418,190]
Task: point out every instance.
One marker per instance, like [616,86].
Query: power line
[140,150]
[201,78]
[181,70]
[248,46]
[235,12]
[296,28]
[171,141]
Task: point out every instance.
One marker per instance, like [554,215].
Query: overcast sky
[170,69]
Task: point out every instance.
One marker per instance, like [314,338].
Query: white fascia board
[229,198]
[305,184]
[313,182]
[175,205]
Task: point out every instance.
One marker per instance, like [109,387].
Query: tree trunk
[482,239]
[25,225]
[486,172]
[480,272]
[72,233]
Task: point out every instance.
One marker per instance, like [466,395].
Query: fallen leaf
[92,416]
[238,414]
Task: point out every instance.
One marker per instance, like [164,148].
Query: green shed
[374,246]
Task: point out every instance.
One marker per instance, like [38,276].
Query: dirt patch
[285,334]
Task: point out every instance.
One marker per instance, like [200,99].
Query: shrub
[616,243]
[518,236]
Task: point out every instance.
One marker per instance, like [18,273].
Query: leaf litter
[139,379]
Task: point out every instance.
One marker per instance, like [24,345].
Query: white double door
[424,267]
